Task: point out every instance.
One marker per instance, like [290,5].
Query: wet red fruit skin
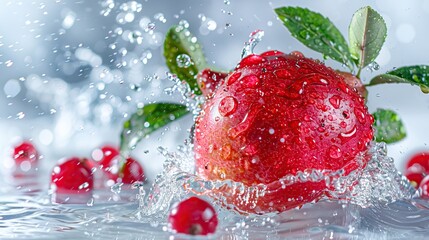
[109,153]
[208,80]
[25,151]
[419,162]
[132,172]
[193,216]
[354,82]
[278,114]
[424,188]
[72,176]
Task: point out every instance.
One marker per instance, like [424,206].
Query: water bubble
[125,17]
[226,2]
[184,23]
[12,88]
[46,137]
[183,61]
[69,20]
[254,38]
[160,17]
[131,6]
[211,25]
[107,6]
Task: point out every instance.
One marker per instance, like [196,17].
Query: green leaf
[147,120]
[367,32]
[316,32]
[388,126]
[184,55]
[416,75]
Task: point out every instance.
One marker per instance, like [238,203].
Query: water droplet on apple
[227,106]
[335,101]
[335,152]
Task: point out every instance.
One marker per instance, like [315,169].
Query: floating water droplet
[183,60]
[20,115]
[184,23]
[254,38]
[374,66]
[8,63]
[107,6]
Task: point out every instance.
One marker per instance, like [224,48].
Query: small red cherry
[72,176]
[419,162]
[193,216]
[131,172]
[424,187]
[25,154]
[104,155]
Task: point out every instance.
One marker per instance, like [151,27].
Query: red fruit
[354,82]
[193,216]
[25,153]
[415,178]
[208,80]
[109,161]
[419,162]
[131,172]
[424,188]
[279,114]
[104,155]
[72,176]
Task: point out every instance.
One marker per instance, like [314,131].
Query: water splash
[378,183]
[254,38]
[192,101]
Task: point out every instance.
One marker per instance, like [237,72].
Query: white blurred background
[71,71]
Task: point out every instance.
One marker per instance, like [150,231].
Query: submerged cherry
[419,162]
[193,216]
[113,170]
[25,156]
[72,176]
[131,172]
